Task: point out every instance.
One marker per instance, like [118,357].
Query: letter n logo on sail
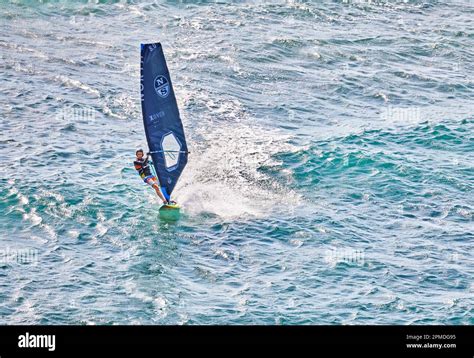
[162,86]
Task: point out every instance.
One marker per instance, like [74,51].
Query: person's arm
[137,165]
[147,159]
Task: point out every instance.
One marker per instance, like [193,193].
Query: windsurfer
[143,167]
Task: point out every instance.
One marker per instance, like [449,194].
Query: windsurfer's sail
[163,127]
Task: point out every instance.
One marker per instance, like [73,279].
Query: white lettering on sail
[156,116]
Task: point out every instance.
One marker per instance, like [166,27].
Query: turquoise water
[330,180]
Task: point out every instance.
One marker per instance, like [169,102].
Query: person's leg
[155,186]
[158,192]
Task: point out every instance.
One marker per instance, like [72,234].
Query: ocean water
[330,180]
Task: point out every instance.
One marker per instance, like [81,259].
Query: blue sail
[163,128]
